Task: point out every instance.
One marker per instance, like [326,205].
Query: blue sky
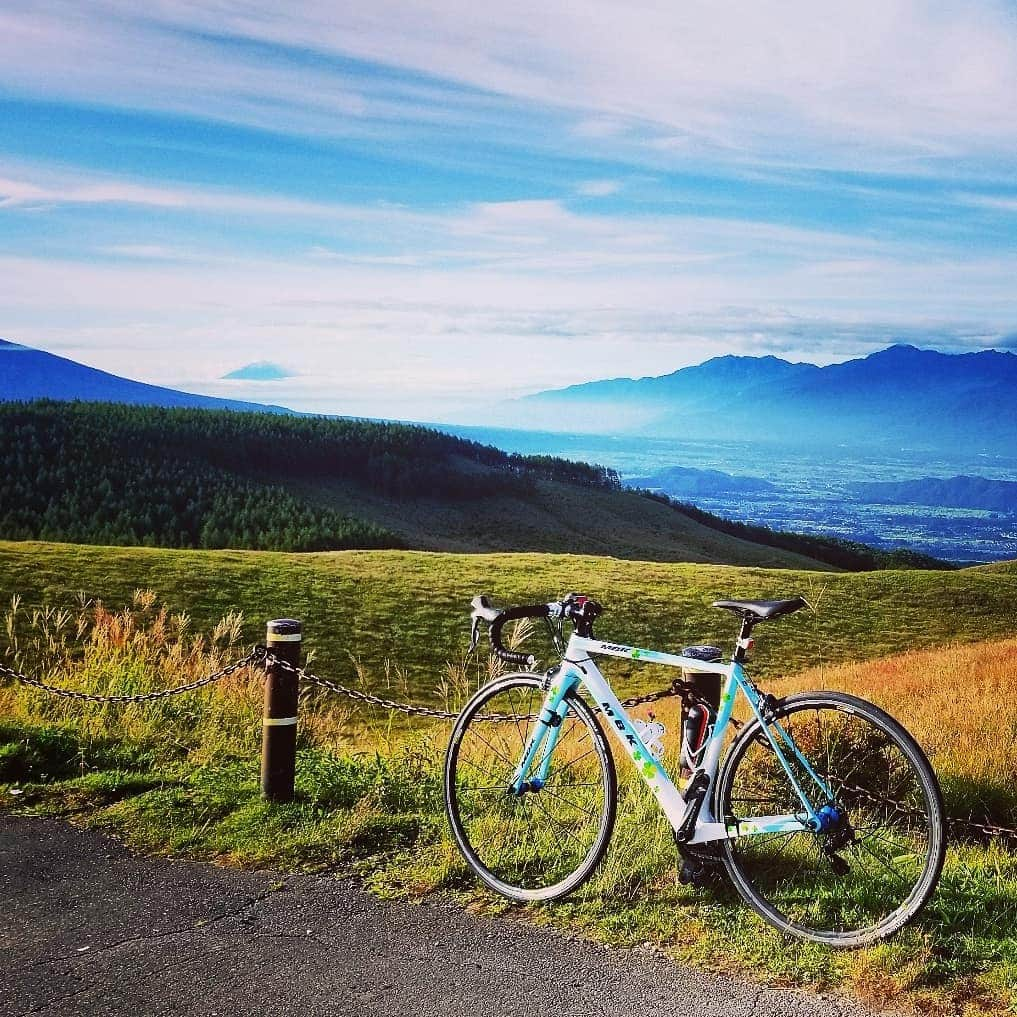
[415,210]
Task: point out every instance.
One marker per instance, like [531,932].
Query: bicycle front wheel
[878,860]
[544,843]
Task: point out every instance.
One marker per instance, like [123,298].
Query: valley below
[819,491]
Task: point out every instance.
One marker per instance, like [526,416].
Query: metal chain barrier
[991,830]
[254,657]
[259,655]
[678,688]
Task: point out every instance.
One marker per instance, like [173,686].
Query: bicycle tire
[760,868]
[509,871]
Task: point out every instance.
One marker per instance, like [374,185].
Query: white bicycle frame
[578,670]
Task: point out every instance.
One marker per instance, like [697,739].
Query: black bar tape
[511,614]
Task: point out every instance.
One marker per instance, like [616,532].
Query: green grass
[412,608]
[180,776]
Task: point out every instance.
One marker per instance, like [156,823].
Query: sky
[416,210]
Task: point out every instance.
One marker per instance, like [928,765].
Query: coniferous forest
[109,473]
[113,474]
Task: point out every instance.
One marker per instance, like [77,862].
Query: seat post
[744,632]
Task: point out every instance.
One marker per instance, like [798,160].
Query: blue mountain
[943,492]
[690,482]
[900,395]
[27,374]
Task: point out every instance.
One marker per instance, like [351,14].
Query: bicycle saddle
[762,610]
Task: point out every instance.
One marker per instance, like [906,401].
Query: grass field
[180,775]
[411,609]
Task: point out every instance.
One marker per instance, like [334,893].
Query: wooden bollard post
[279,723]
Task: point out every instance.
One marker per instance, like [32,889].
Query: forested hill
[107,473]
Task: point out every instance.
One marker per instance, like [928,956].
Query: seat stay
[789,742]
[755,701]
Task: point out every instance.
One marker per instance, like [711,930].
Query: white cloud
[598,188]
[49,188]
[994,203]
[886,79]
[774,80]
[441,342]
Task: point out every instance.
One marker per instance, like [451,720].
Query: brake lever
[474,633]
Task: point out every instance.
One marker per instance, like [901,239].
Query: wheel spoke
[543,842]
[796,881]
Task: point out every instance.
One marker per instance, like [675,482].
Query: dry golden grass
[959,702]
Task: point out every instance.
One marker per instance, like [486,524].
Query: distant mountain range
[27,374]
[949,492]
[689,482]
[901,395]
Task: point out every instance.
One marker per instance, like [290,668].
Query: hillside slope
[411,608]
[111,474]
[556,518]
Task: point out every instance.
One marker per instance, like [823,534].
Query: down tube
[656,779]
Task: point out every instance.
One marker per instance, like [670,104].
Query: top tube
[597,646]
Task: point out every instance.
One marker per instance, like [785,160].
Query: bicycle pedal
[696,874]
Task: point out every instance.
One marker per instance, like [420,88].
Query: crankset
[701,864]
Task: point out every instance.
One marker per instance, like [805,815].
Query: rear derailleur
[836,833]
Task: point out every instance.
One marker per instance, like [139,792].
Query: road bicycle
[824,811]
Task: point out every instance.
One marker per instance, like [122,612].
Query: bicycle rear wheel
[879,859]
[544,843]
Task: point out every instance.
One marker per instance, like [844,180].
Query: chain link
[254,657]
[991,830]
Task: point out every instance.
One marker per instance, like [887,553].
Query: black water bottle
[698,722]
[698,719]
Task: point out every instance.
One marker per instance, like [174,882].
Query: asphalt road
[87,928]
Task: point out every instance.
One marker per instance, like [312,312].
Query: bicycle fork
[543,738]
